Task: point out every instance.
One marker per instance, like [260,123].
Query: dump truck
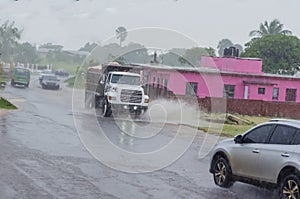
[115,88]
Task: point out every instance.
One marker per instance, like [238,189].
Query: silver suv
[267,155]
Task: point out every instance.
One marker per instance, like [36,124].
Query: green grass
[71,68]
[230,130]
[74,82]
[4,104]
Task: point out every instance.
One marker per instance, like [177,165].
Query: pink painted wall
[281,83]
[242,65]
[208,84]
[212,84]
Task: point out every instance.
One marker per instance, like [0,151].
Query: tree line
[277,47]
[13,51]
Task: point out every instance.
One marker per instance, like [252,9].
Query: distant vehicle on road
[43,73]
[49,81]
[61,73]
[5,72]
[20,76]
[2,83]
[267,155]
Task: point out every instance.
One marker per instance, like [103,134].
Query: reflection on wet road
[42,156]
[3,125]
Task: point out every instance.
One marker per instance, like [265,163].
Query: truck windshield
[20,71]
[125,79]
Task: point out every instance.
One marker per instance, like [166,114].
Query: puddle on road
[3,124]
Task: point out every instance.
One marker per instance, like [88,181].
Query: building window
[165,83]
[290,95]
[229,91]
[261,91]
[191,88]
[275,93]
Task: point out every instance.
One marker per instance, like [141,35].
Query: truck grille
[131,96]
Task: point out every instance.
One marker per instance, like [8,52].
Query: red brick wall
[255,107]
[240,106]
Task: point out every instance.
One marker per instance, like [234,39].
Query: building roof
[77,52]
[212,70]
[177,68]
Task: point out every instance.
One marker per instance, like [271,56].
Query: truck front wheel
[145,109]
[106,109]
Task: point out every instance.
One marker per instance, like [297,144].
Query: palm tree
[275,27]
[121,33]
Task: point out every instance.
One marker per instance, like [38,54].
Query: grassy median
[4,104]
[231,129]
[75,82]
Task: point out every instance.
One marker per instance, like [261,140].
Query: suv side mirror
[238,139]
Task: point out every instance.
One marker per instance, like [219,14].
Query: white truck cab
[124,92]
[115,88]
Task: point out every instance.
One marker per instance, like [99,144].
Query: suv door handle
[255,151]
[286,155]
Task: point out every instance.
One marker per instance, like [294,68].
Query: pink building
[240,78]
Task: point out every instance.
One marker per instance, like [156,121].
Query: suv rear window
[297,137]
[283,135]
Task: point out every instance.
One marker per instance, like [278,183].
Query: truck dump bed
[93,78]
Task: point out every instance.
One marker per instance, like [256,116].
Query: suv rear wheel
[289,187]
[222,172]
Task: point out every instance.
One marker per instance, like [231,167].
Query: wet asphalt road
[42,156]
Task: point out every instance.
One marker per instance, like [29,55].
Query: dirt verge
[3,112]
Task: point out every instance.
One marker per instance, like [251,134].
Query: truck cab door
[107,80]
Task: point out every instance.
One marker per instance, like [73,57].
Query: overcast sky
[72,23]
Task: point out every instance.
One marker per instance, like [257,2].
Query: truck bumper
[131,108]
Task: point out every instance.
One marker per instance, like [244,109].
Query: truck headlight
[111,98]
[146,100]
